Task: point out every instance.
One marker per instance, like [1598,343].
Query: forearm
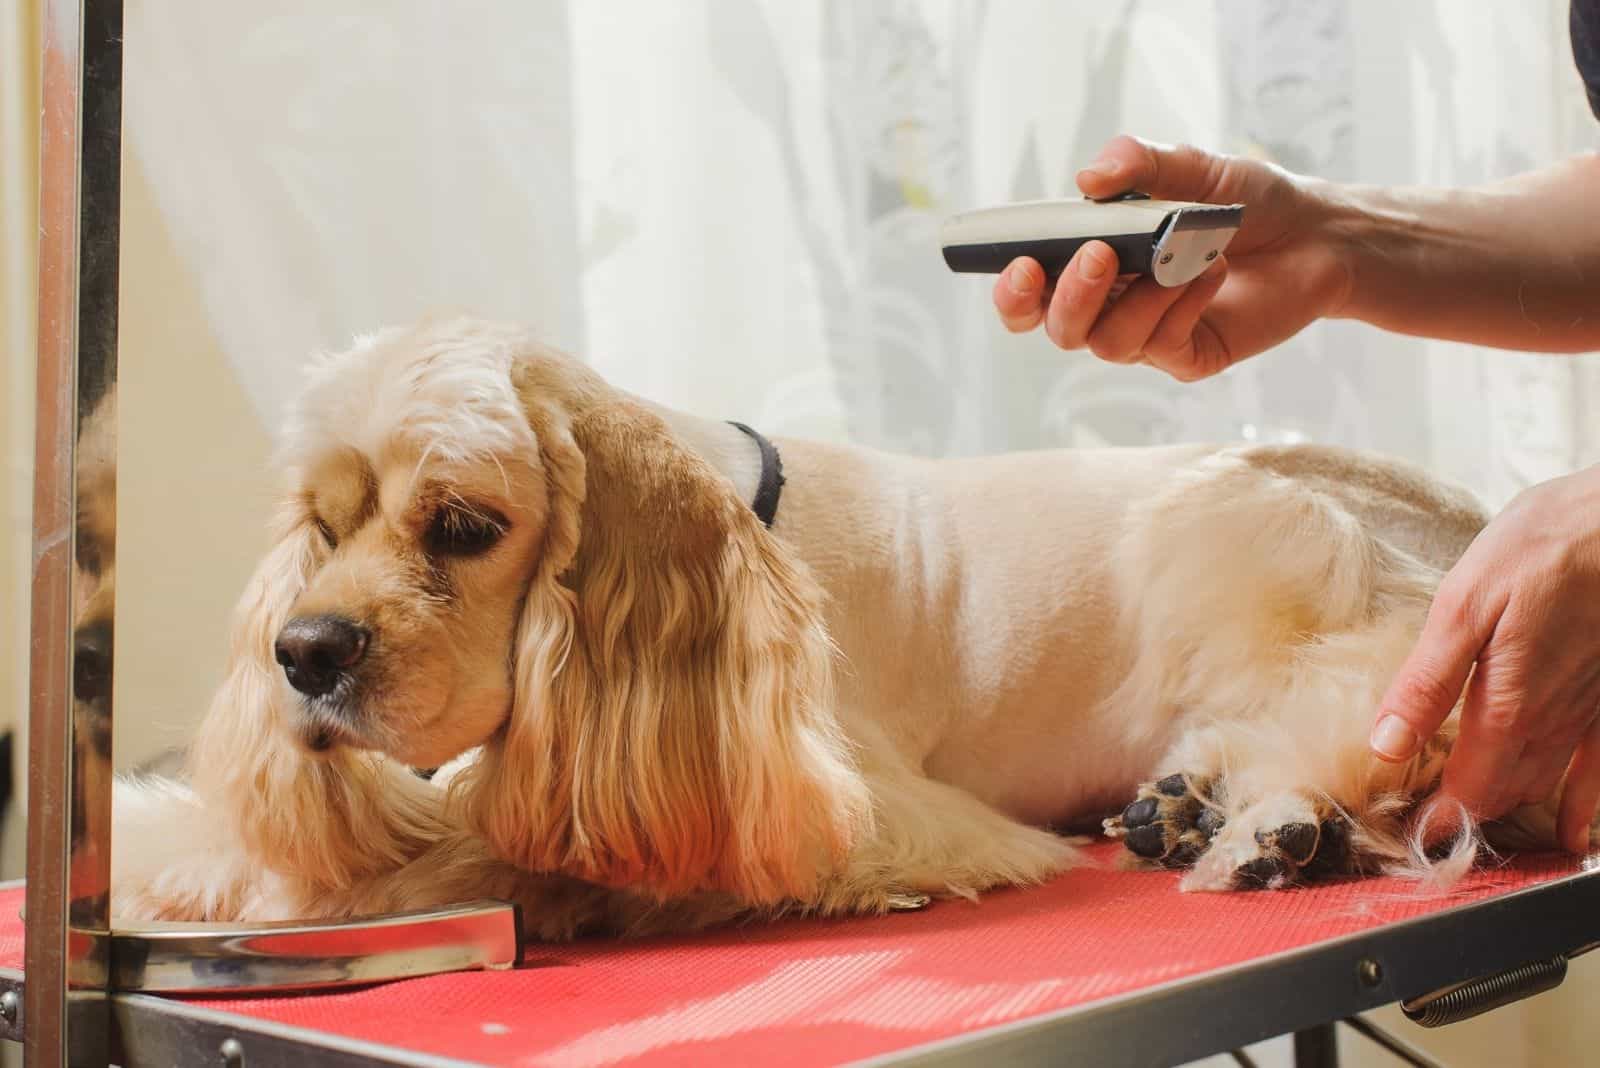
[1513,265]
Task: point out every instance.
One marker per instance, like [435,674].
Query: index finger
[1168,172]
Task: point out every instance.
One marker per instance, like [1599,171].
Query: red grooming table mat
[808,992]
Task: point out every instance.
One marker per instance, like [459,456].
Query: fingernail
[1109,168]
[1019,279]
[1394,738]
[1091,264]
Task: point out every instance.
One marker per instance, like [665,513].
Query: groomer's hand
[1523,605]
[1285,267]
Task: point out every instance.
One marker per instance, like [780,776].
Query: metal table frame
[68,1012]
[1302,991]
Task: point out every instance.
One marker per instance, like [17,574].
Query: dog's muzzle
[318,652]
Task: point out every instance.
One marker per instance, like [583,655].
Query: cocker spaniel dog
[680,673]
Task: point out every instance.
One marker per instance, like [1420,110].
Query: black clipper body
[1172,241]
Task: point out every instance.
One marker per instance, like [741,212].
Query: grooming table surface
[808,992]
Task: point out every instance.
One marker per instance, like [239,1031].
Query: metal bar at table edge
[1214,1012]
[69,739]
[1173,1023]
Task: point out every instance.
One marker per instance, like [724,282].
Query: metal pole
[66,1013]
[1316,1047]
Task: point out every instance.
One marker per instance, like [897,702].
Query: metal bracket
[295,955]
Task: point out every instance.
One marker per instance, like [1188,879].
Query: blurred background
[731,207]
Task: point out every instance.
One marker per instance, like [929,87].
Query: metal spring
[1466,1000]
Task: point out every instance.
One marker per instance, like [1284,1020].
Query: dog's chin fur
[462,724]
[676,716]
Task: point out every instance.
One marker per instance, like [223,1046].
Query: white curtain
[731,205]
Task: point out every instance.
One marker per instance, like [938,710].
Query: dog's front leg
[555,908]
[930,838]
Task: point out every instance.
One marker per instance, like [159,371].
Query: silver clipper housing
[1172,241]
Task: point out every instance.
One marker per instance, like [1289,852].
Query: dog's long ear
[329,821]
[673,727]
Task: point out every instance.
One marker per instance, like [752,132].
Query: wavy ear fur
[673,727]
[329,821]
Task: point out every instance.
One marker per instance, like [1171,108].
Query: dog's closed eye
[459,531]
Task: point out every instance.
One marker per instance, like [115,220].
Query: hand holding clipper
[1171,241]
[1193,315]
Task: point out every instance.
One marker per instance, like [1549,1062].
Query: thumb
[1166,172]
[1428,684]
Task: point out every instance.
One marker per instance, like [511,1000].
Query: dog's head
[483,544]
[417,514]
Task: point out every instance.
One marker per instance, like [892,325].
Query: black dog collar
[770,488]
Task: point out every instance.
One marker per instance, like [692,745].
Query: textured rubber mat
[810,993]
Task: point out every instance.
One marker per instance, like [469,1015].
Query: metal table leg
[1316,1047]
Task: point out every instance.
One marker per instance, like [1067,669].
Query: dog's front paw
[1182,821]
[1266,847]
[1171,821]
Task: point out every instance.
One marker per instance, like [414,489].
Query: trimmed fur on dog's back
[675,715]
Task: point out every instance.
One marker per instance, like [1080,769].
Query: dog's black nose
[91,661]
[316,651]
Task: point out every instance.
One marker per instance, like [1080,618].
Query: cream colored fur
[685,717]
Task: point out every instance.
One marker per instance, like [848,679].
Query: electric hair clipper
[1173,241]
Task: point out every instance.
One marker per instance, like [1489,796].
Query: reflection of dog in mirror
[93,605]
[660,712]
[94,582]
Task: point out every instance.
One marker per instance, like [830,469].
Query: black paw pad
[1160,823]
[1334,855]
[1299,852]
[1139,813]
[1173,786]
[1262,872]
[1210,822]
[1149,841]
[1296,841]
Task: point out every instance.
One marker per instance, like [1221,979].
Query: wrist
[1368,229]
